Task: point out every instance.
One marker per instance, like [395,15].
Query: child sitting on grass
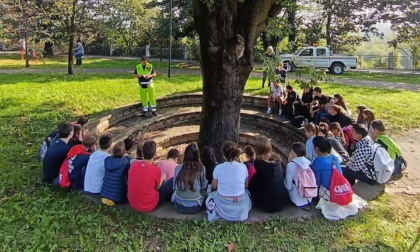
[114,187]
[95,169]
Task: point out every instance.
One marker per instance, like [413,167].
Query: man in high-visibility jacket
[145,73]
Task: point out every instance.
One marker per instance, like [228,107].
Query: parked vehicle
[318,57]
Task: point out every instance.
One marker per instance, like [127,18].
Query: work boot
[144,114]
[154,114]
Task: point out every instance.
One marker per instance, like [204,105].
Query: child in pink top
[250,154]
[168,166]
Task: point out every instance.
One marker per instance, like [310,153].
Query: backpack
[251,169]
[46,143]
[305,182]
[63,177]
[400,165]
[341,192]
[382,163]
[350,144]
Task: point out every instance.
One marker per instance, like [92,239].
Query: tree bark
[72,27]
[48,49]
[291,19]
[228,31]
[328,34]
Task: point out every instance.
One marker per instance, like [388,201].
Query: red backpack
[341,192]
[63,177]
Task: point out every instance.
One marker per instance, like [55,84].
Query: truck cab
[318,57]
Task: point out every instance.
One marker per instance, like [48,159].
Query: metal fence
[386,61]
[180,53]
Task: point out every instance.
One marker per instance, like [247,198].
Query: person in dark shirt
[302,107]
[57,153]
[338,114]
[288,104]
[267,185]
[319,105]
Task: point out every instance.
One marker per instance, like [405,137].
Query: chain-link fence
[386,61]
[179,53]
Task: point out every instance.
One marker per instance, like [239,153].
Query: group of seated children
[312,106]
[228,189]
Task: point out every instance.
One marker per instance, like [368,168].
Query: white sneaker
[268,111]
[280,111]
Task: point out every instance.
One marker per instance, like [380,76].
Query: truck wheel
[337,68]
[289,67]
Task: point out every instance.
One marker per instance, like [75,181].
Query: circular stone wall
[178,123]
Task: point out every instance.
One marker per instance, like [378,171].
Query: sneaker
[268,111]
[280,112]
[154,114]
[144,114]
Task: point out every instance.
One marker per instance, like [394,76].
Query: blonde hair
[337,126]
[311,128]
[270,50]
[339,109]
[262,146]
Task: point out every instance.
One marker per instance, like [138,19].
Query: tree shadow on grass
[8,79]
[46,78]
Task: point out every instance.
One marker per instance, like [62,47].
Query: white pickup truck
[318,57]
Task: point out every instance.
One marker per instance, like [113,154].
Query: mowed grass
[34,216]
[13,61]
[389,77]
[367,76]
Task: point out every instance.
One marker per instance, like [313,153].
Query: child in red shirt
[145,182]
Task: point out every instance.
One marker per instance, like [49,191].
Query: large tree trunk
[328,34]
[291,19]
[72,27]
[228,31]
[48,49]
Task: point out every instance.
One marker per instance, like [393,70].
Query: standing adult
[145,73]
[270,57]
[79,51]
[22,49]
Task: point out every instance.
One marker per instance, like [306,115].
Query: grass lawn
[36,217]
[389,77]
[13,61]
[403,78]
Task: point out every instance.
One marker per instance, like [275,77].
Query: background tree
[404,16]
[228,31]
[21,21]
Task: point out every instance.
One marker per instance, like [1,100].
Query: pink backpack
[305,181]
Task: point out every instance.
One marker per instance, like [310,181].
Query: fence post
[391,61]
[147,52]
[185,53]
[111,49]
